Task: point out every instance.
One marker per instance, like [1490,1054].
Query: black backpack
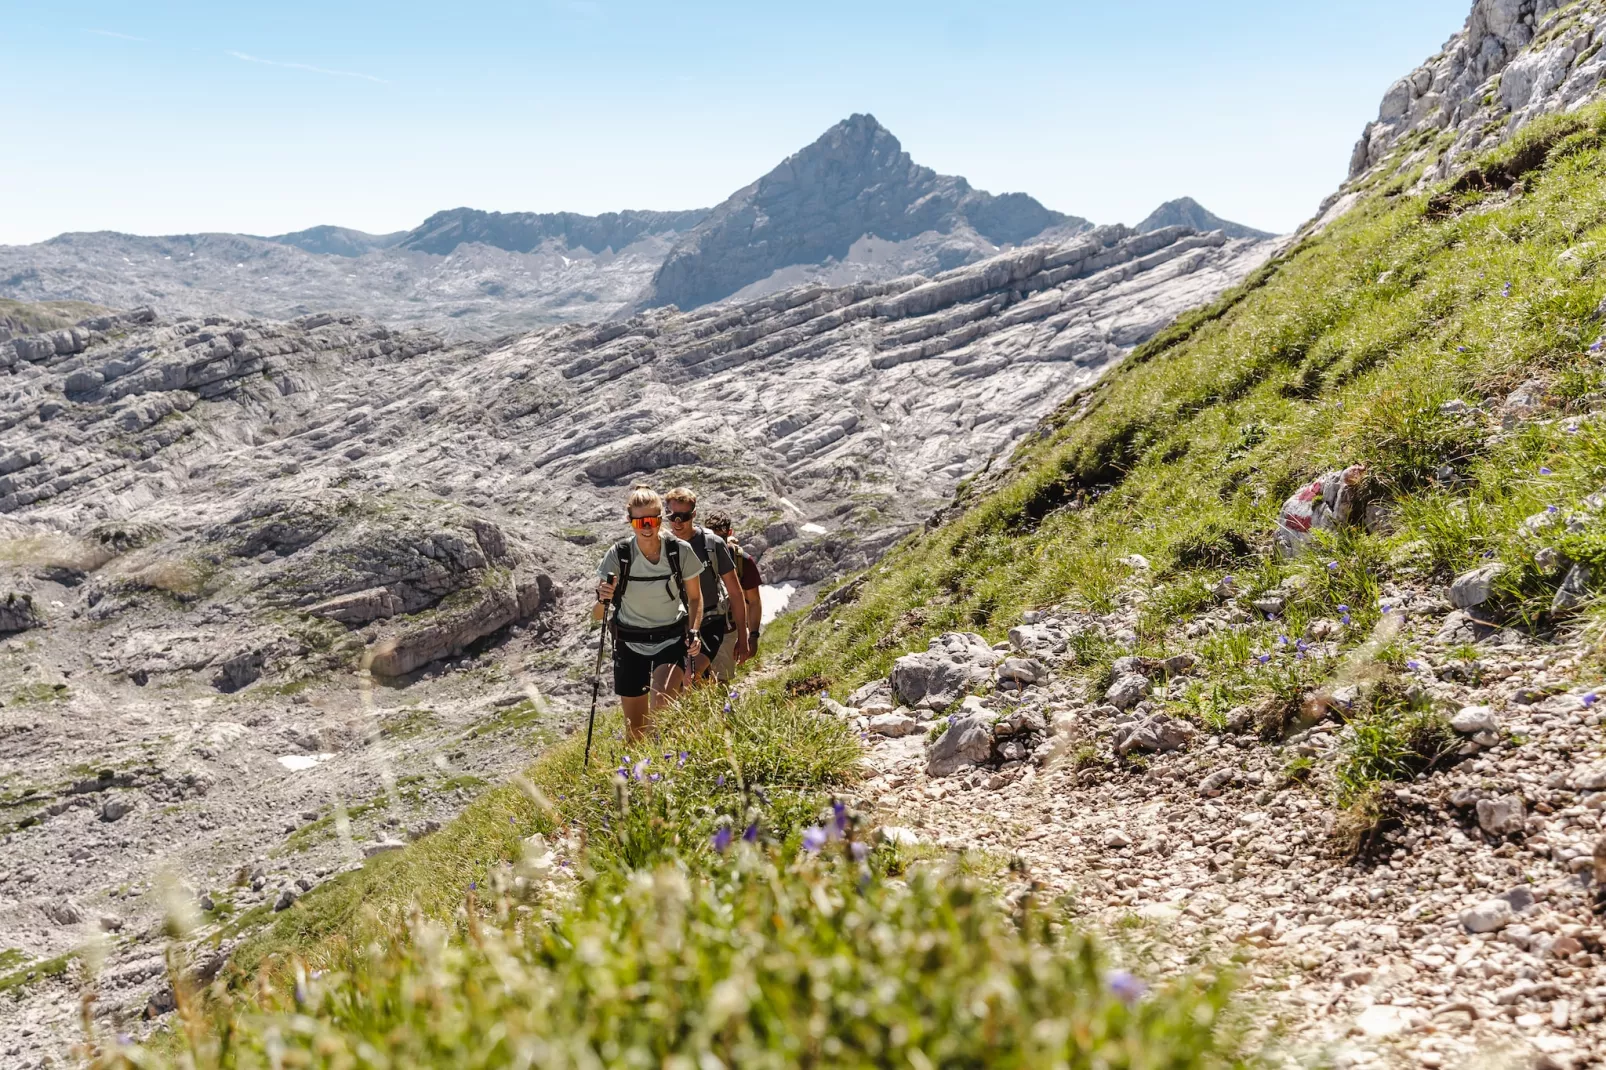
[721,606]
[623,550]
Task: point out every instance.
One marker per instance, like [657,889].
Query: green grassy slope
[1340,352]
[672,951]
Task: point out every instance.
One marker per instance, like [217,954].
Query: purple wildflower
[1413,665]
[684,755]
[1342,608]
[750,833]
[727,707]
[640,771]
[1301,645]
[473,886]
[719,781]
[1460,349]
[1552,509]
[1589,698]
[1332,566]
[1385,608]
[1263,658]
[859,850]
[839,818]
[722,839]
[1595,347]
[1545,471]
[1345,619]
[656,777]
[623,770]
[1282,640]
[814,839]
[1125,987]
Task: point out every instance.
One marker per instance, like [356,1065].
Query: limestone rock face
[1513,61]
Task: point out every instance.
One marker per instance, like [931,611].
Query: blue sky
[159,118]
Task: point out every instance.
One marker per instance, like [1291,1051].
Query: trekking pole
[596,681]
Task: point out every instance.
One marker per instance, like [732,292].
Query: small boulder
[19,614]
[1502,815]
[1589,778]
[897,836]
[1022,671]
[1214,783]
[1127,691]
[1489,916]
[382,846]
[1158,734]
[1115,839]
[1574,590]
[893,725]
[1476,586]
[62,911]
[953,663]
[871,693]
[114,809]
[1473,720]
[968,741]
[287,898]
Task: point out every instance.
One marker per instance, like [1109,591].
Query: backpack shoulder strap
[621,550]
[672,549]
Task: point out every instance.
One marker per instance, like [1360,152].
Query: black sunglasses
[677,515]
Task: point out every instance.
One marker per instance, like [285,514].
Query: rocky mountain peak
[1187,212]
[853,182]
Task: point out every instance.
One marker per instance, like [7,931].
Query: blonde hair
[682,494]
[640,495]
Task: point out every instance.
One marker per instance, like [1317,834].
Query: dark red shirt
[747,573]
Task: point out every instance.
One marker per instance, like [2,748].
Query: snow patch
[774,600]
[298,763]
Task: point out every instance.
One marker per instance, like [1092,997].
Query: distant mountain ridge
[337,241]
[1187,212]
[523,232]
[849,208]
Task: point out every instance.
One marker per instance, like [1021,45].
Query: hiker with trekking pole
[647,602]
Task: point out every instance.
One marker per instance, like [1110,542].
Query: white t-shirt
[651,600]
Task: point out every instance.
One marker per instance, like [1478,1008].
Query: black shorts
[712,634]
[632,672]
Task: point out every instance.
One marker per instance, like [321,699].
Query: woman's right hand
[605,590]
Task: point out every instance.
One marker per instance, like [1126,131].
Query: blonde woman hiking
[648,580]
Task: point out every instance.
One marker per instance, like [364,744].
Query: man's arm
[755,614]
[738,610]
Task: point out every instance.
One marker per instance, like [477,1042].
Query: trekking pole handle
[610,579]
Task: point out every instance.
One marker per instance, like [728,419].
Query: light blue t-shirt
[650,601]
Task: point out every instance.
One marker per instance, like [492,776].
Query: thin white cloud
[306,67]
[120,36]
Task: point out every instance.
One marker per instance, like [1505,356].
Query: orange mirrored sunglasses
[645,523]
